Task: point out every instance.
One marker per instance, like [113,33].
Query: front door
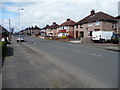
[76,34]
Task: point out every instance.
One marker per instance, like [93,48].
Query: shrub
[3,45]
[63,37]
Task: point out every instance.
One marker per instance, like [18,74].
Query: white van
[101,36]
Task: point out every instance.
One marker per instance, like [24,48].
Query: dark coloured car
[115,38]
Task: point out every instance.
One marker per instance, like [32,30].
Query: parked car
[20,39]
[115,38]
[101,36]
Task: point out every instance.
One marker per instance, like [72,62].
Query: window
[76,26]
[90,33]
[81,34]
[81,26]
[97,23]
[90,24]
[114,26]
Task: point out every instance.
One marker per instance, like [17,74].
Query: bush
[3,45]
[63,37]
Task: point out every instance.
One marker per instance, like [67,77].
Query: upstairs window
[76,26]
[90,24]
[81,26]
[97,23]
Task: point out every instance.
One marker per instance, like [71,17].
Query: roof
[46,27]
[54,26]
[100,16]
[118,17]
[2,29]
[68,22]
[36,27]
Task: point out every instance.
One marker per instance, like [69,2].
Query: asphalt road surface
[95,68]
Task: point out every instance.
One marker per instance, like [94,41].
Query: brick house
[35,30]
[118,24]
[44,30]
[66,28]
[53,29]
[32,30]
[4,33]
[99,21]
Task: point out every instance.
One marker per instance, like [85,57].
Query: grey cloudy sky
[44,12]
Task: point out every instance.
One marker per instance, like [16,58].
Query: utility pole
[19,21]
[10,33]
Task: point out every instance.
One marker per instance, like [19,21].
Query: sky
[43,12]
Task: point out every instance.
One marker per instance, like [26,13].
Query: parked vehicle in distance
[115,38]
[20,39]
[101,36]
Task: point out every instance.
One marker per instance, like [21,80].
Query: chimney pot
[54,22]
[68,19]
[92,12]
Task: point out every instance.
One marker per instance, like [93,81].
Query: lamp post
[19,20]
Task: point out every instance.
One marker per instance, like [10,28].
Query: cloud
[44,12]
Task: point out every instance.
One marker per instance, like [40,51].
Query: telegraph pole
[10,34]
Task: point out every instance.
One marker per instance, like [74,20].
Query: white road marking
[34,43]
[93,54]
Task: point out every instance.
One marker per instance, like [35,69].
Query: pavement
[107,46]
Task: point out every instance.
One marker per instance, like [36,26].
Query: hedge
[3,47]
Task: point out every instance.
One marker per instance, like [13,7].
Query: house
[99,21]
[44,30]
[35,30]
[4,33]
[66,28]
[53,29]
[32,30]
[118,24]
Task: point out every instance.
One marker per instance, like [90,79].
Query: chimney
[47,25]
[68,19]
[92,12]
[54,22]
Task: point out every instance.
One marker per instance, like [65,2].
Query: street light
[19,20]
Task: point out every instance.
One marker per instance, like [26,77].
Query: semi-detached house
[44,30]
[118,24]
[52,30]
[66,28]
[99,21]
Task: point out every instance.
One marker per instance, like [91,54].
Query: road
[93,67]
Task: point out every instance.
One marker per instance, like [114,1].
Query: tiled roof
[54,26]
[46,27]
[100,16]
[69,22]
[118,17]
[36,27]
[2,29]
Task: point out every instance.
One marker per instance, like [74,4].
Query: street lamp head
[20,8]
